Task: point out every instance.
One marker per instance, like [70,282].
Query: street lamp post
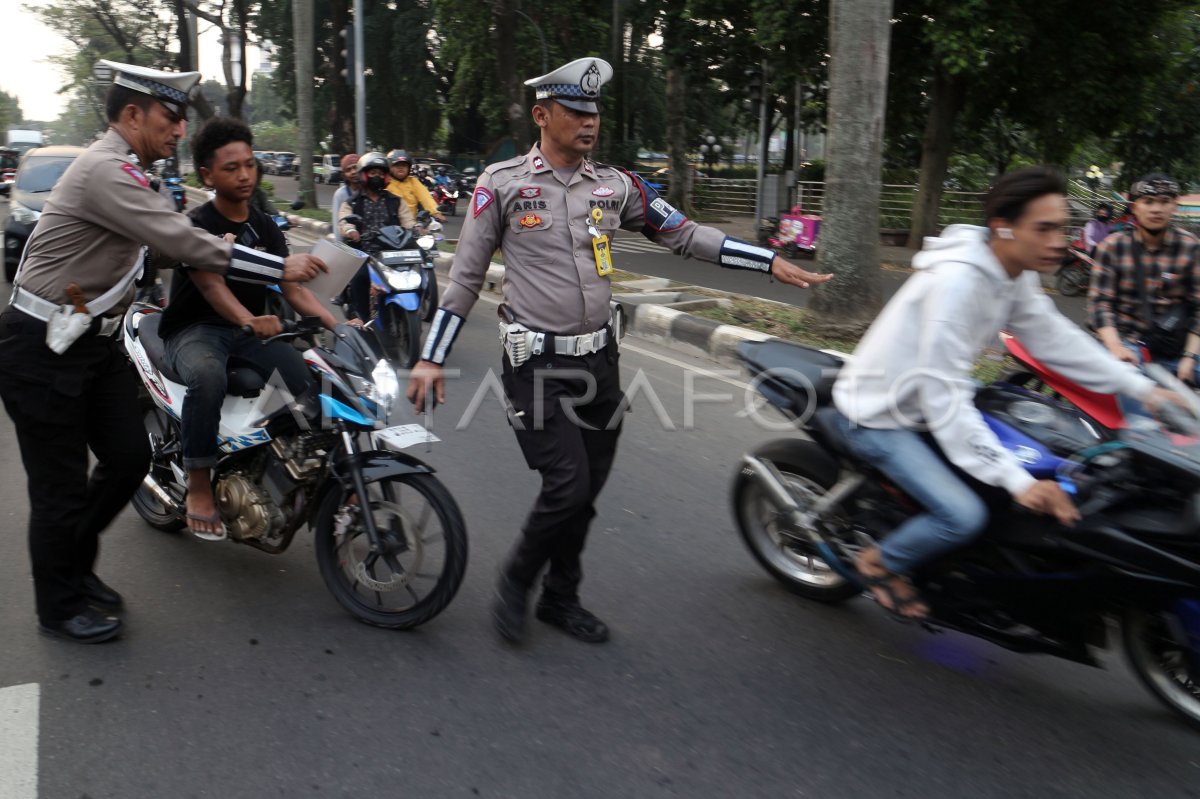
[710,151]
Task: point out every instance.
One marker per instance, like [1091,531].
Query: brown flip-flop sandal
[898,602]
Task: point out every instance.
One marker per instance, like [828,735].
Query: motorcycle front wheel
[761,524]
[164,438]
[401,335]
[1160,655]
[424,552]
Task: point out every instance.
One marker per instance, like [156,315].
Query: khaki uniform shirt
[93,226]
[540,225]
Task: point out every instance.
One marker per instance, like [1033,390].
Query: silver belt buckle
[109,326]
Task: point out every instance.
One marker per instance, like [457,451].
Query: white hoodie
[913,367]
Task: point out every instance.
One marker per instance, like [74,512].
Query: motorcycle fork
[360,490]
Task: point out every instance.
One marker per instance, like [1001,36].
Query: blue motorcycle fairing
[340,410]
[408,300]
[1035,457]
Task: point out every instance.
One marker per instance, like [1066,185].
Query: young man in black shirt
[203,321]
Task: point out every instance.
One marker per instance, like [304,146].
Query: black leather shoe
[89,627]
[509,609]
[100,595]
[572,618]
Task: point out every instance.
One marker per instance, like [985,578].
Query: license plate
[403,436]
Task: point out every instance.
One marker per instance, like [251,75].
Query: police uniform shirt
[101,212]
[540,224]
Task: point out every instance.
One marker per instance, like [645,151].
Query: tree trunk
[675,52]
[237,34]
[679,192]
[945,102]
[860,37]
[504,33]
[303,31]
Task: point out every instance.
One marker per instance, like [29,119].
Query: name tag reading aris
[600,248]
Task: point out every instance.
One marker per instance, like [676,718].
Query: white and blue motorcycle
[390,540]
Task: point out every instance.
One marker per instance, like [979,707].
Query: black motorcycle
[805,508]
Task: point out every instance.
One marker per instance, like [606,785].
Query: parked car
[283,164]
[266,159]
[327,168]
[39,170]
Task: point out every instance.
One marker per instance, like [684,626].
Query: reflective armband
[253,266]
[442,333]
[737,254]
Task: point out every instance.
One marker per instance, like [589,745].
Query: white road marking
[19,741]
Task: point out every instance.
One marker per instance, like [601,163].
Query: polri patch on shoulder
[136,174]
[483,198]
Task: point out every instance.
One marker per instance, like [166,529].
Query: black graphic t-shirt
[187,305]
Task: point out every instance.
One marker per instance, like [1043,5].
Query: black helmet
[373,160]
[399,157]
[1102,207]
[1156,184]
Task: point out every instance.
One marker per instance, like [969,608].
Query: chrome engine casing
[247,508]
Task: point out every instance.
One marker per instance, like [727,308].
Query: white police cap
[172,89]
[575,85]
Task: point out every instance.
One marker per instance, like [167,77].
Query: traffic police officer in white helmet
[64,377]
[553,213]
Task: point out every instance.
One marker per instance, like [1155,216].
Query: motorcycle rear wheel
[429,300]
[163,435]
[760,525]
[427,538]
[1072,280]
[1161,661]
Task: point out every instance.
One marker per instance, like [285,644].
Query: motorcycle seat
[793,377]
[241,381]
[827,428]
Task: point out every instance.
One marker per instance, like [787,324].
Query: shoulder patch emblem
[531,192]
[530,220]
[136,174]
[604,191]
[483,198]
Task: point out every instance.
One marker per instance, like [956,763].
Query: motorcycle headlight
[425,242]
[22,215]
[404,280]
[386,387]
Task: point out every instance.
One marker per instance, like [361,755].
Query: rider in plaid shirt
[1170,260]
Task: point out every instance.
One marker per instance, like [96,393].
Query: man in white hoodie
[911,373]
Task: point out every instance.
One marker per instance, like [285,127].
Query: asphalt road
[240,677]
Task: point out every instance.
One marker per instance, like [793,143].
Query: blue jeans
[200,354]
[955,515]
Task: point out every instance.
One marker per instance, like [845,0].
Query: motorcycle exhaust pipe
[158,492]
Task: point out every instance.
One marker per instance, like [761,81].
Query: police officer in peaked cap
[64,377]
[553,213]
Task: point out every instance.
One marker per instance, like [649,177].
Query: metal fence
[896,204]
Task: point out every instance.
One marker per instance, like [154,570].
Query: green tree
[10,111]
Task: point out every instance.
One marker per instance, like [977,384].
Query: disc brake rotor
[398,580]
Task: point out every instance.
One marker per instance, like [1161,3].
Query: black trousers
[62,406]
[571,440]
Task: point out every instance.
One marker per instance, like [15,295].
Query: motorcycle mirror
[297,205]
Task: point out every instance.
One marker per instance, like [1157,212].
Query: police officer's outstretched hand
[302,268]
[787,272]
[426,377]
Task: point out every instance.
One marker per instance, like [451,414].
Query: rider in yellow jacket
[407,187]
